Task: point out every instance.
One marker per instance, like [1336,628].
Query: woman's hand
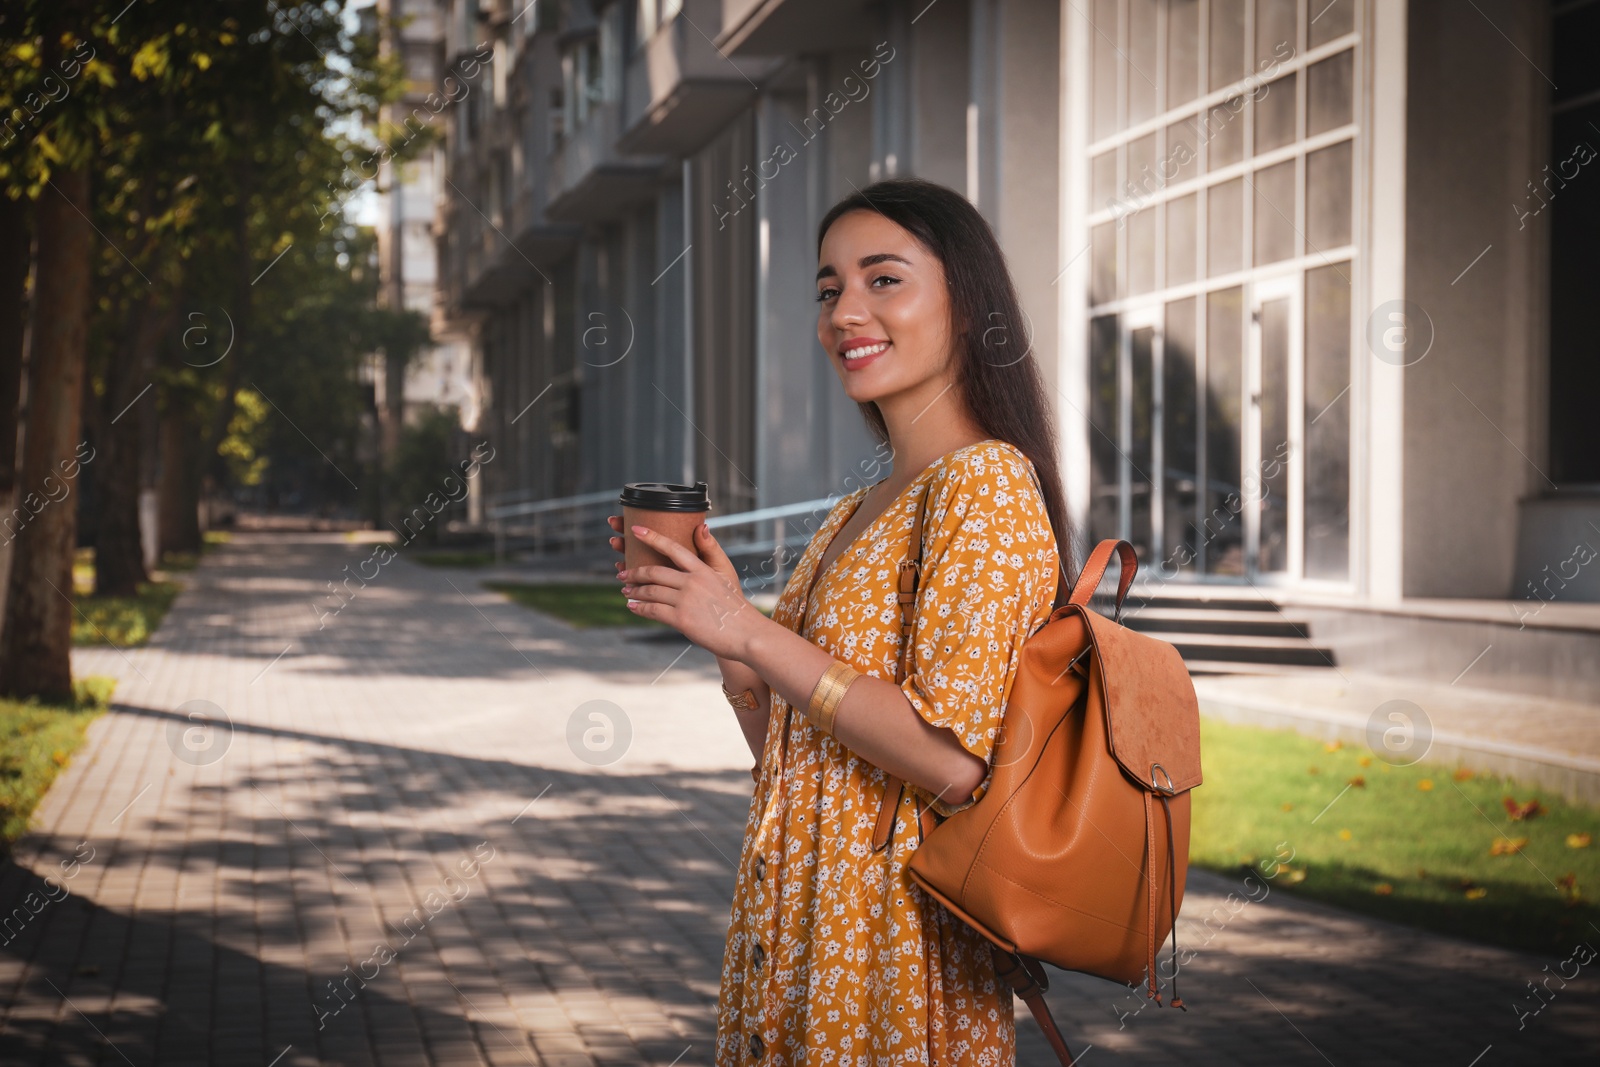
[699,596]
[710,553]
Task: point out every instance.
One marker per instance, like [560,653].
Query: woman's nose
[849,308]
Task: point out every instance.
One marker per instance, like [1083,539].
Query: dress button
[756,1047]
[760,955]
[761,867]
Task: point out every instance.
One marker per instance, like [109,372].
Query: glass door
[1272,490]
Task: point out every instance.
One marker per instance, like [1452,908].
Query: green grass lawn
[36,741]
[578,604]
[472,559]
[117,620]
[188,561]
[1427,845]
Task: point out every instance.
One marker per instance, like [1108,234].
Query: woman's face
[884,310]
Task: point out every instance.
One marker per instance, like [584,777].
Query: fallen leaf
[1508,846]
[1422,872]
[1463,773]
[1359,782]
[1477,893]
[1295,875]
[1313,769]
[1426,785]
[1365,761]
[1287,806]
[1383,889]
[1333,746]
[1579,840]
[1568,884]
[1521,812]
[1345,835]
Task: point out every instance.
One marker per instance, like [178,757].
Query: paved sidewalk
[395,854]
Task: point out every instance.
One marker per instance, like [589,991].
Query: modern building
[440,377]
[1309,277]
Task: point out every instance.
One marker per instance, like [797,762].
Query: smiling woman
[831,950]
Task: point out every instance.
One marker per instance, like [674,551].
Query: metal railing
[762,543]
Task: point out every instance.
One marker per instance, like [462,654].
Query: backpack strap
[910,579]
[1027,980]
[910,572]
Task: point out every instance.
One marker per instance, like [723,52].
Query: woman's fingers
[652,594]
[651,575]
[682,557]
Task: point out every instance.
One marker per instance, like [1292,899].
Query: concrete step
[1214,621]
[1247,648]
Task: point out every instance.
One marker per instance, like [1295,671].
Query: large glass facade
[1222,194]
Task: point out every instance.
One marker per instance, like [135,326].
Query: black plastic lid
[665,496]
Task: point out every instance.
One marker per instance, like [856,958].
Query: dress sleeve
[988,578]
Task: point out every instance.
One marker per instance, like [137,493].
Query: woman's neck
[924,428]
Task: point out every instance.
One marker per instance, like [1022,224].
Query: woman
[833,956]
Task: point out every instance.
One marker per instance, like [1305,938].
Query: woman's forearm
[736,678]
[875,720]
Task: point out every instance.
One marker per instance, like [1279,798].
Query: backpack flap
[1152,715]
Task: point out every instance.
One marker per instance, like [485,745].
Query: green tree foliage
[210,148]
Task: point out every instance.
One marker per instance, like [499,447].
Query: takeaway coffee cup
[670,510]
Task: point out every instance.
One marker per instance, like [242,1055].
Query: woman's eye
[890,278]
[826,294]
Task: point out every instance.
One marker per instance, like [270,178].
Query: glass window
[1183,52]
[1327,422]
[1144,61]
[1227,42]
[1142,251]
[1274,213]
[1182,160]
[1277,36]
[1329,181]
[1328,93]
[1103,180]
[1103,257]
[1275,111]
[644,24]
[1103,104]
[1331,19]
[1225,227]
[1105,454]
[1221,527]
[1144,177]
[1225,133]
[1180,413]
[1181,240]
[1141,438]
[1270,484]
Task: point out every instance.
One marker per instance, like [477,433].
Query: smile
[859,357]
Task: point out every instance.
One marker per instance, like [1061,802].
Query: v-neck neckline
[823,571]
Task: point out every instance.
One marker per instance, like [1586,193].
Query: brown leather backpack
[1064,859]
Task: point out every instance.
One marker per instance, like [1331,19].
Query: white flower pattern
[833,954]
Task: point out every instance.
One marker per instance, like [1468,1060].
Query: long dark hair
[1003,387]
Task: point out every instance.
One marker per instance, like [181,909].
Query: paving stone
[239,870]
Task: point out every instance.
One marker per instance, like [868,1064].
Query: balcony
[679,90]
[791,27]
[591,179]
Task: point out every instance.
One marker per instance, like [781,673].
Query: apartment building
[1309,277]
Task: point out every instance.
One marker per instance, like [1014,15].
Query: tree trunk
[179,485]
[14,254]
[36,649]
[118,550]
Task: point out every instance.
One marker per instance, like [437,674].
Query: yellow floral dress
[833,956]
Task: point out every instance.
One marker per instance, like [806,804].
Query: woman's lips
[863,355]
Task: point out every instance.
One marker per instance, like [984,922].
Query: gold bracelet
[829,692]
[745,701]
